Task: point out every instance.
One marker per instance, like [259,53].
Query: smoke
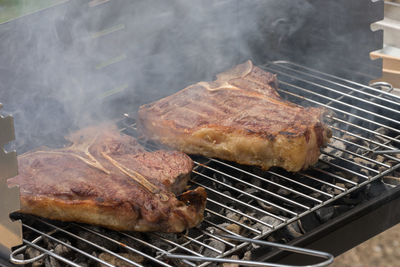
[79,63]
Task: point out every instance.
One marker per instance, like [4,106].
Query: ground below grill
[380,251]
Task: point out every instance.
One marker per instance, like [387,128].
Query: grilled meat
[238,117]
[108,179]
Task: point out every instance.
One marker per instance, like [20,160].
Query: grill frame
[296,216]
[343,232]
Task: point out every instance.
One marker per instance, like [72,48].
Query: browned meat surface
[238,117]
[108,179]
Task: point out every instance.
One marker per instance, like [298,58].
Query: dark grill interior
[274,205]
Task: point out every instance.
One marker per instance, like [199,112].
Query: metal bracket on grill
[10,232]
[382,86]
[388,88]
[328,257]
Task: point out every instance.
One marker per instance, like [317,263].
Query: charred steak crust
[98,180]
[238,117]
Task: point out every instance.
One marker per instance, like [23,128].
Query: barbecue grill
[346,198]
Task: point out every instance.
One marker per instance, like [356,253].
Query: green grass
[11,9]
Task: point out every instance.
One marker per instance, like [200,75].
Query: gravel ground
[381,251]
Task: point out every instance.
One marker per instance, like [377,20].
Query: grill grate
[256,204]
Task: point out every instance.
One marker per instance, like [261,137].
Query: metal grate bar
[359,137]
[270,182]
[340,111]
[387,142]
[349,161]
[301,184]
[162,251]
[239,212]
[239,202]
[18,251]
[218,238]
[339,177]
[101,247]
[89,242]
[366,129]
[50,253]
[264,190]
[348,114]
[233,221]
[322,181]
[329,78]
[335,176]
[356,154]
[122,245]
[344,103]
[247,194]
[221,228]
[177,246]
[346,170]
[64,244]
[367,150]
[330,81]
[194,240]
[332,100]
[350,142]
[144,243]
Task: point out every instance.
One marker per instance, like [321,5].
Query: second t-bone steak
[238,117]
